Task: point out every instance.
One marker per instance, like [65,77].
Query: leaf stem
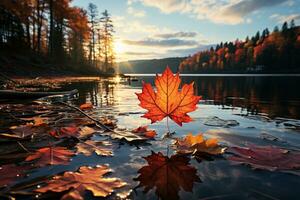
[168,126]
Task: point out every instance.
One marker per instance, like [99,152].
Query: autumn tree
[276,51]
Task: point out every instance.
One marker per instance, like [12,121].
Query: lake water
[262,105]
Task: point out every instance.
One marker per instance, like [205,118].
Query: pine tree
[93,13]
[107,42]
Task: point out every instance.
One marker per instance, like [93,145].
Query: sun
[119,47]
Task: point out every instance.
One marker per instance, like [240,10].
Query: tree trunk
[51,28]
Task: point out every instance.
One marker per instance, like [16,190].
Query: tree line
[277,51]
[59,32]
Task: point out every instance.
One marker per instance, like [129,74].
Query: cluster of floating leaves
[41,135]
[38,138]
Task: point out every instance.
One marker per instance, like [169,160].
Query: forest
[54,34]
[277,52]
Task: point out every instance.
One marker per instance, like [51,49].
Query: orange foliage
[168,101]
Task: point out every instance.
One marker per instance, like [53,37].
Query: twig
[22,146]
[88,116]
[7,78]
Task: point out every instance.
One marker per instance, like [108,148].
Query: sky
[147,29]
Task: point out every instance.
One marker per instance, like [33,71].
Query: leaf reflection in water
[167,175]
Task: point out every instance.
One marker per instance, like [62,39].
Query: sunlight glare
[119,47]
[117,79]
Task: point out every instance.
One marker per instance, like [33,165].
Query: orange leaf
[51,156]
[65,132]
[150,134]
[38,121]
[86,106]
[198,144]
[168,101]
[74,184]
[145,132]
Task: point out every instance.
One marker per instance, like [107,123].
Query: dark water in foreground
[261,105]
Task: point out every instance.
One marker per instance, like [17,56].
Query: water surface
[260,105]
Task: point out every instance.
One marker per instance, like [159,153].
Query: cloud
[286,18]
[168,6]
[180,34]
[135,12]
[189,51]
[243,8]
[161,43]
[217,11]
[138,53]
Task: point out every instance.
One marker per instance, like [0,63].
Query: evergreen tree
[107,42]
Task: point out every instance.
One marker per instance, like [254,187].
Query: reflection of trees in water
[98,93]
[275,96]
[106,93]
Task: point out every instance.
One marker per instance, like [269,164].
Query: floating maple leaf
[20,132]
[51,156]
[76,183]
[38,121]
[198,145]
[167,101]
[86,106]
[24,131]
[125,135]
[9,173]
[145,131]
[267,157]
[100,148]
[167,175]
[86,131]
[65,132]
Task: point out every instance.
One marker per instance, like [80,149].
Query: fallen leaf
[76,183]
[9,173]
[143,130]
[125,135]
[38,121]
[100,148]
[197,144]
[168,101]
[266,157]
[86,131]
[108,122]
[22,131]
[51,156]
[167,175]
[86,106]
[65,132]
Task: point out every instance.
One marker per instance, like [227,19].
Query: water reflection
[167,175]
[274,96]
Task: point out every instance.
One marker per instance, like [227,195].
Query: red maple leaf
[51,156]
[267,157]
[168,101]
